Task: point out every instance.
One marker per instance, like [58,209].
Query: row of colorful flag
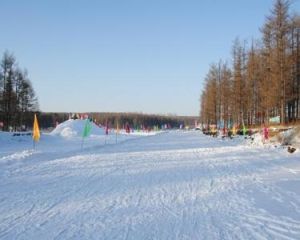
[243,131]
[86,130]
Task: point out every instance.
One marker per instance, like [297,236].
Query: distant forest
[262,85]
[135,120]
[49,120]
[18,103]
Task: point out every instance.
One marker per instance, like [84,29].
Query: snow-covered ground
[175,185]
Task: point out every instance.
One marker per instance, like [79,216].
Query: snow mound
[17,156]
[74,128]
[257,139]
[285,138]
[291,137]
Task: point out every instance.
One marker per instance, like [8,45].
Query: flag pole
[117,132]
[106,130]
[82,143]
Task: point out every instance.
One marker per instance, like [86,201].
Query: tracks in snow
[158,191]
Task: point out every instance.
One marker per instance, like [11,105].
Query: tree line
[262,84]
[17,96]
[134,120]
[138,120]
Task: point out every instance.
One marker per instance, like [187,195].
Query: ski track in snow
[178,185]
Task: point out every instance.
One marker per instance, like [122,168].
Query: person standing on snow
[265,133]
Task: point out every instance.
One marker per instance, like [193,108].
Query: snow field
[177,185]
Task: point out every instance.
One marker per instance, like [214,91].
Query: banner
[275,119]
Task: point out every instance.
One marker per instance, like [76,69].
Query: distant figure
[23,128]
[106,128]
[291,149]
[266,133]
[127,128]
[230,134]
[250,132]
[214,132]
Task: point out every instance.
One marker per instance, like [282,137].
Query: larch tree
[264,81]
[17,96]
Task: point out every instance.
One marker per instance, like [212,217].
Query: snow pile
[74,128]
[291,137]
[257,139]
[16,156]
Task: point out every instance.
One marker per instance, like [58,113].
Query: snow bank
[74,128]
[16,156]
[257,139]
[291,137]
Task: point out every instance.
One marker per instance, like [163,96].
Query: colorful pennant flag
[36,130]
[234,130]
[87,128]
[244,130]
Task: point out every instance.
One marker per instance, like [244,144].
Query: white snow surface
[176,185]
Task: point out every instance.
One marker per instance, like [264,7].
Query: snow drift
[74,128]
[290,137]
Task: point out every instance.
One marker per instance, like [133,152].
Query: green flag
[87,128]
[244,130]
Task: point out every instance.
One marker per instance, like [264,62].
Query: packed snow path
[177,185]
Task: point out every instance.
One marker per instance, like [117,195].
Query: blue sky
[136,56]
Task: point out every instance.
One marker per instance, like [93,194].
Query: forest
[134,120]
[17,97]
[261,83]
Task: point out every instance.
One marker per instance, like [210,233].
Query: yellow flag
[36,130]
[118,130]
[234,130]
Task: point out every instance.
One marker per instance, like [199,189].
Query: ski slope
[175,185]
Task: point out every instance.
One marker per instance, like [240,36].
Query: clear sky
[125,55]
